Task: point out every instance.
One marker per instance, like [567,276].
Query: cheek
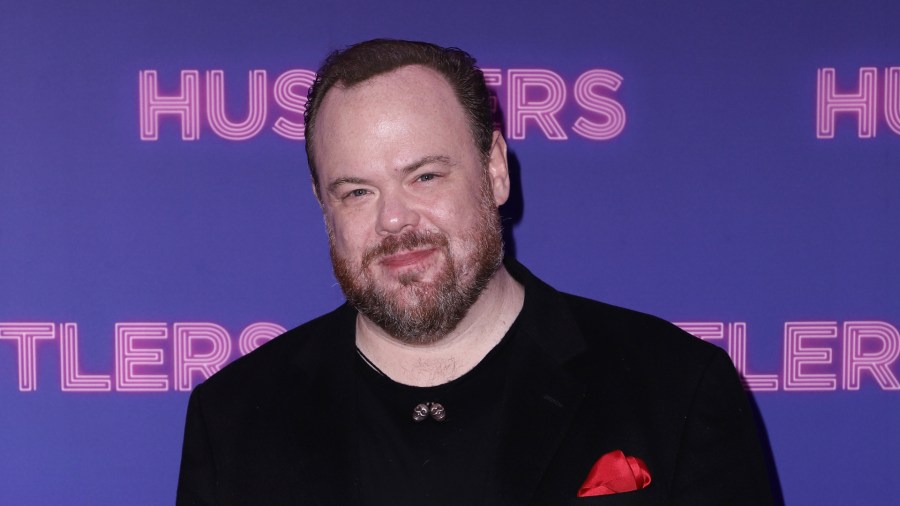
[441,215]
[348,237]
[461,226]
[457,211]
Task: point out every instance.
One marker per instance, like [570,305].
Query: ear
[315,190]
[498,169]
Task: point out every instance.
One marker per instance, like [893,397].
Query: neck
[485,324]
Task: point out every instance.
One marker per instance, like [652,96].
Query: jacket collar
[545,317]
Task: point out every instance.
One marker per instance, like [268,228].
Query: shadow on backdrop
[512,211]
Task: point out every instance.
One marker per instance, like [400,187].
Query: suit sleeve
[720,457]
[197,477]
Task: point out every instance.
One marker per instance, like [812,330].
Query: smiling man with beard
[453,375]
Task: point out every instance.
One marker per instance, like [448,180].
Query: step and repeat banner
[733,167]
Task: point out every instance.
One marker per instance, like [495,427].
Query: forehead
[409,109]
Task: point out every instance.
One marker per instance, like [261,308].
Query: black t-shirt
[430,462]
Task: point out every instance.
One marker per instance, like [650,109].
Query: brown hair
[365,60]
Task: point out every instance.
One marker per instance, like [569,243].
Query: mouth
[407,258]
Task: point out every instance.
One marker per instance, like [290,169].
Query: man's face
[410,206]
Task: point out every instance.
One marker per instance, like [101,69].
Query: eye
[359,192]
[426,177]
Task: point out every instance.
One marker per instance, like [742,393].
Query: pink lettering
[71,379]
[534,96]
[215,106]
[892,98]
[607,107]
[287,96]
[153,105]
[26,336]
[877,362]
[258,333]
[129,356]
[737,350]
[798,354]
[521,108]
[862,103]
[188,360]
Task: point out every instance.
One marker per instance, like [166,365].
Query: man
[453,376]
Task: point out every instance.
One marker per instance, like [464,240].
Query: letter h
[153,104]
[829,102]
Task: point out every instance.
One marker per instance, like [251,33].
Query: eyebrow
[441,159]
[334,185]
[427,160]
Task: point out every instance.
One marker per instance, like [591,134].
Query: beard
[418,312]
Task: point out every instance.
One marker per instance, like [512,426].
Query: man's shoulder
[624,325]
[608,330]
[639,340]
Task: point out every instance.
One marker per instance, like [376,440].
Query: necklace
[369,362]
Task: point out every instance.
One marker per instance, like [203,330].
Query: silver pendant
[435,409]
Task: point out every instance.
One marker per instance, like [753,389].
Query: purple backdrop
[730,166]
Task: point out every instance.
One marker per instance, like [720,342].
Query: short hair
[365,60]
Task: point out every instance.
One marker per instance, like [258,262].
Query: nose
[395,214]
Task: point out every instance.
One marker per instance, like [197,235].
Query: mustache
[396,243]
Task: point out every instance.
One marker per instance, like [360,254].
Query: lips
[407,258]
[404,250]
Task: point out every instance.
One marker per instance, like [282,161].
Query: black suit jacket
[276,426]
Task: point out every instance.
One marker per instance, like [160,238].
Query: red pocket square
[614,473]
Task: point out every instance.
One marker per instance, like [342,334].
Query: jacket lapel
[542,397]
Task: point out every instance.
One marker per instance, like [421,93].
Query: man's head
[408,190]
[363,61]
